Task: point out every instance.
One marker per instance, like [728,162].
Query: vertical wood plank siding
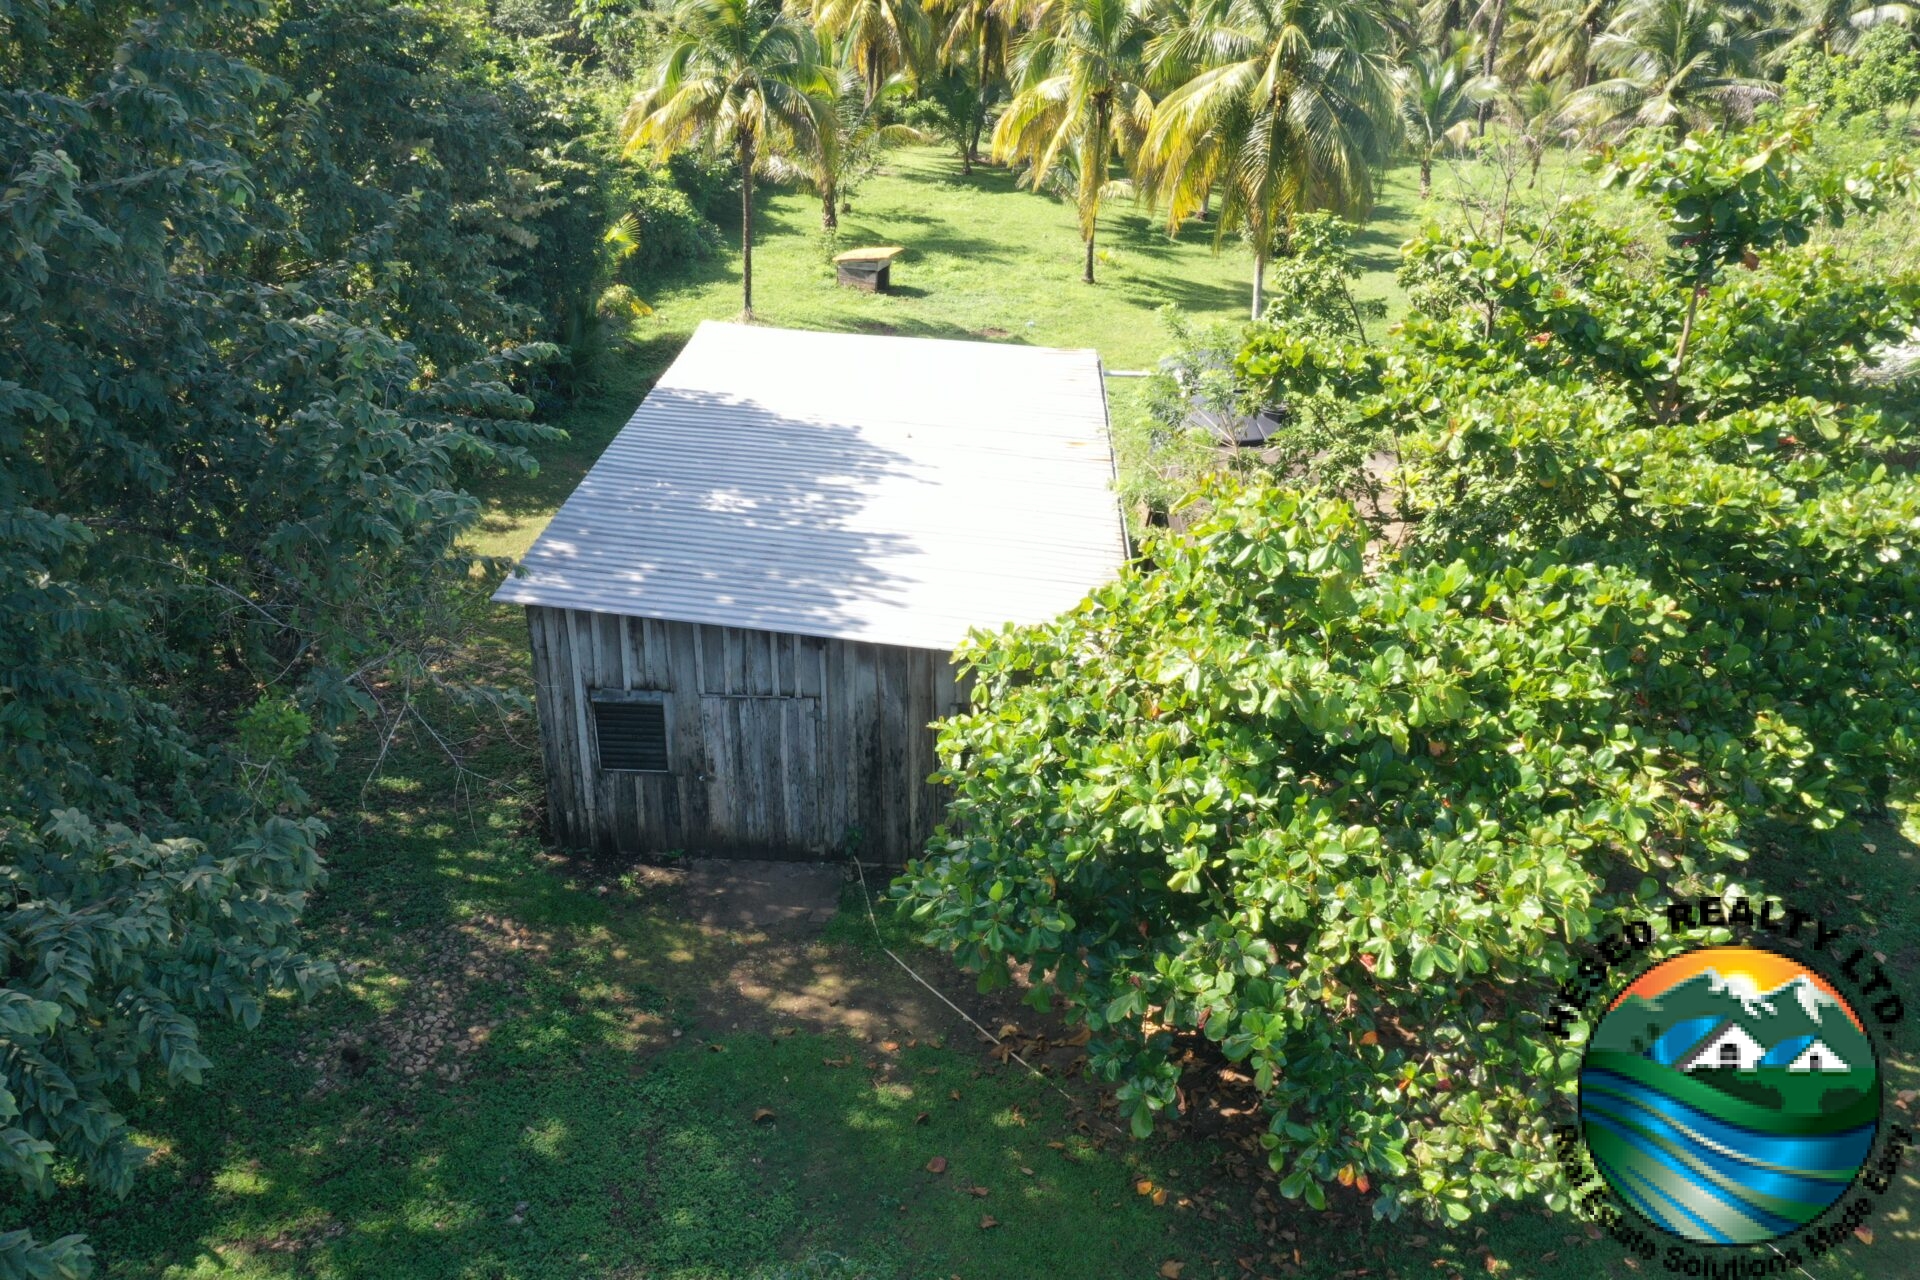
[778,745]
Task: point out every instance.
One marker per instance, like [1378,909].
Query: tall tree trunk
[1496,31]
[979,121]
[1426,174]
[1259,282]
[746,226]
[1087,277]
[829,207]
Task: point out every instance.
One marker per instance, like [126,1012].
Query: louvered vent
[632,733]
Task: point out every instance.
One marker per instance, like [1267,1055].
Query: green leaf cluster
[270,276]
[1608,556]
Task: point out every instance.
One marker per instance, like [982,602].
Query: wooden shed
[742,621]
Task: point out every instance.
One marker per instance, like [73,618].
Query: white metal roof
[896,490]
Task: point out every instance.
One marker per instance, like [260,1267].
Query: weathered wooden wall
[778,745]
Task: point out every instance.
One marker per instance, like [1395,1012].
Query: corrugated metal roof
[897,490]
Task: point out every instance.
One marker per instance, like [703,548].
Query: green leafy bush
[1337,820]
[668,230]
[1336,787]
[1881,72]
[711,182]
[253,342]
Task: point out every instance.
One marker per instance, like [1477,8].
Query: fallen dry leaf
[763,1115]
[988,1222]
[1172,1268]
[937,1165]
[1864,1234]
[837,1062]
[981,1192]
[1159,1195]
[923,1117]
[1144,1187]
[888,1046]
[953,1095]
[1026,1171]
[716,1048]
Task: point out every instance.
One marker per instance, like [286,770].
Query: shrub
[711,183]
[1340,821]
[668,230]
[1336,790]
[1881,73]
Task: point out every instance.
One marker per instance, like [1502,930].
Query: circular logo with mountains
[1730,1095]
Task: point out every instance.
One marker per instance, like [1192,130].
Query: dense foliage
[1337,786]
[270,275]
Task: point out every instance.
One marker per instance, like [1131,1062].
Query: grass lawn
[542,1069]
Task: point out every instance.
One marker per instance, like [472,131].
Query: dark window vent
[631,731]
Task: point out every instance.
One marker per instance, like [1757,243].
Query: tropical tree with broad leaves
[743,76]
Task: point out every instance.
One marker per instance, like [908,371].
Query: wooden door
[765,790]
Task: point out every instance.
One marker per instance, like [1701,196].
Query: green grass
[585,1138]
[599,1120]
[988,261]
[985,260]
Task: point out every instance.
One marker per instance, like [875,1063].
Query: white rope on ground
[1038,1074]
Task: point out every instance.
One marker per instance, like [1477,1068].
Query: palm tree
[1440,97]
[1293,104]
[976,35]
[1080,102]
[1672,63]
[739,75]
[1556,38]
[881,37]
[858,135]
[1835,26]
[1536,111]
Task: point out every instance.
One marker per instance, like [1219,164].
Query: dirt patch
[735,946]
[991,333]
[433,1027]
[762,897]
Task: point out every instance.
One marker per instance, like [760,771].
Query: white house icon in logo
[1731,1047]
[1818,1057]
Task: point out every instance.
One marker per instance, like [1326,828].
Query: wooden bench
[869,269]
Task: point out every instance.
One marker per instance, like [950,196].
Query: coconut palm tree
[1293,104]
[1536,112]
[740,76]
[1834,26]
[975,36]
[881,37]
[1672,63]
[1440,97]
[1080,102]
[859,134]
[1555,38]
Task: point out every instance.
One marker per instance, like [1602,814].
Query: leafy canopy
[252,339]
[1338,788]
